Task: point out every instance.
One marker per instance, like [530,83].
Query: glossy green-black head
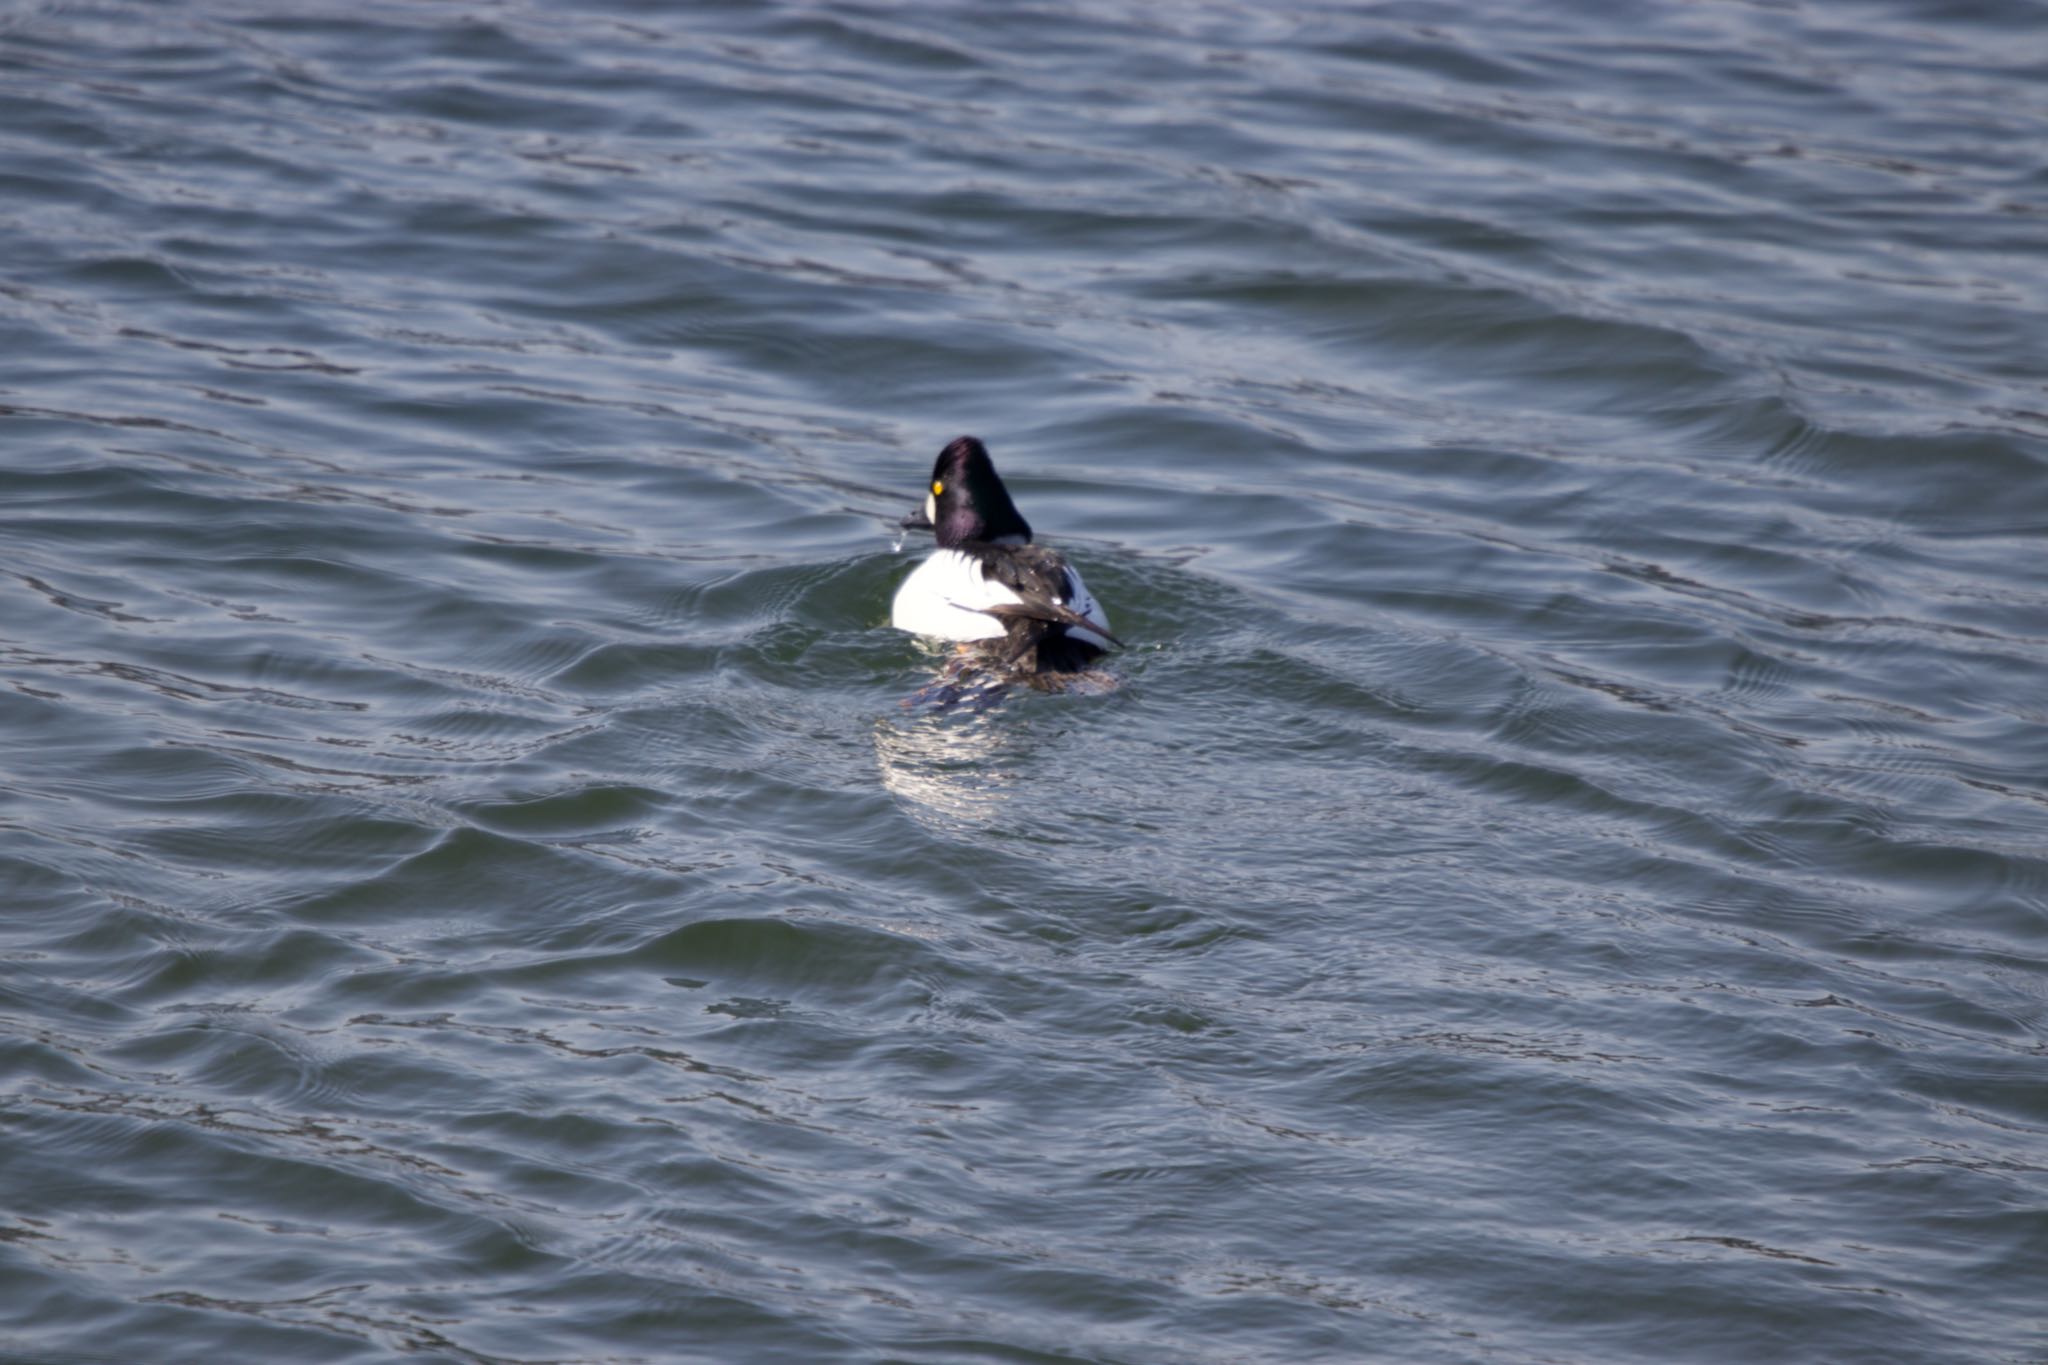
[967,501]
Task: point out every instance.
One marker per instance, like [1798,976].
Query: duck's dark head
[967,500]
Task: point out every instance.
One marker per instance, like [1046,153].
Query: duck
[987,586]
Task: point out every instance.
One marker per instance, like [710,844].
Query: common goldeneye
[988,582]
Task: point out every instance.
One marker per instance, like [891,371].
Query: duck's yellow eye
[938,487]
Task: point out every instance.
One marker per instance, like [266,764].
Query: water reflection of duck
[1021,611]
[951,773]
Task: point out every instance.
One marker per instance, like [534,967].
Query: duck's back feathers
[1052,603]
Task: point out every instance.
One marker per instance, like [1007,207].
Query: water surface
[1560,875]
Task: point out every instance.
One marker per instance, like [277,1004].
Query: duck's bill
[916,521]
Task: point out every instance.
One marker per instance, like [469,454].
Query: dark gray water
[1563,872]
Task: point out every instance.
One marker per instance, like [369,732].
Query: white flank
[941,598]
[945,597]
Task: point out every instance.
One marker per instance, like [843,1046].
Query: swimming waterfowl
[988,584]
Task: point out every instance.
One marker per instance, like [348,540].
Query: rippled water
[1560,875]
